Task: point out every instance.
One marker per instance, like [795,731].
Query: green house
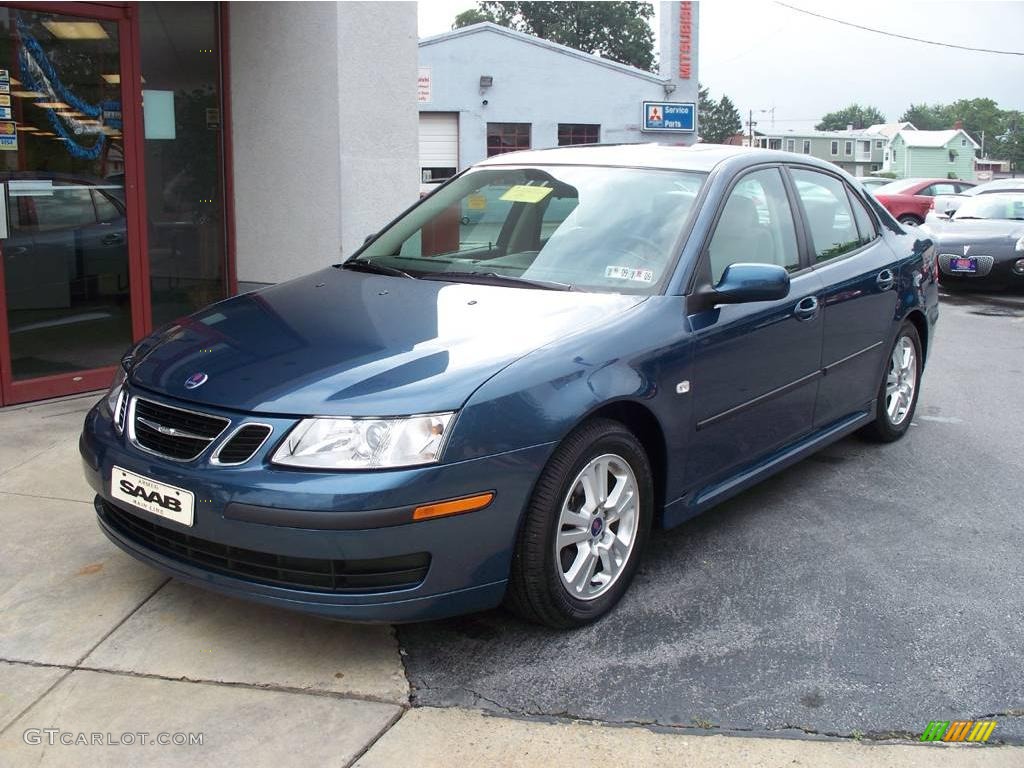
[932,154]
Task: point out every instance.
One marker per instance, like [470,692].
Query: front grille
[241,446]
[174,432]
[984,265]
[122,409]
[344,576]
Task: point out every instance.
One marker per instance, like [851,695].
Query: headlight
[115,394]
[1019,246]
[346,443]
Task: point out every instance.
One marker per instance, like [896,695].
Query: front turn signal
[453,506]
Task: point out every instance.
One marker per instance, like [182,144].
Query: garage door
[439,146]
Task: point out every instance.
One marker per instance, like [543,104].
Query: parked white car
[944,206]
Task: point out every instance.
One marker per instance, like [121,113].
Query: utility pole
[750,126]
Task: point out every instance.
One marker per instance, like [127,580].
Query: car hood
[346,343]
[981,232]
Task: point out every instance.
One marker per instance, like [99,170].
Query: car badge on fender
[196,380]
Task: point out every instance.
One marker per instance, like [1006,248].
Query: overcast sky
[764,55]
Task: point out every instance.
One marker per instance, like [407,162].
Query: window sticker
[629,273]
[523,193]
[476,203]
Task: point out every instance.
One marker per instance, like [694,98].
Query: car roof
[699,157]
[1002,185]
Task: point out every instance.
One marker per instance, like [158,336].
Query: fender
[541,397]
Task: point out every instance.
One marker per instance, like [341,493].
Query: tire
[910,220]
[538,590]
[885,428]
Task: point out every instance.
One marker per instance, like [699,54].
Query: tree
[619,31]
[1009,145]
[472,16]
[928,118]
[856,115]
[716,120]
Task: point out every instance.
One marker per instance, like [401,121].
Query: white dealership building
[486,89]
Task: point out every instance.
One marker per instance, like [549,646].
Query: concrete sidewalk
[96,645]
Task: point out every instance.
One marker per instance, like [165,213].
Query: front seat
[739,237]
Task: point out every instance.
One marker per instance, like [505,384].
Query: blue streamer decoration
[30,48]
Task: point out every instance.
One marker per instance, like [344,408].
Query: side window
[756,226]
[928,191]
[827,207]
[67,206]
[865,224]
[940,189]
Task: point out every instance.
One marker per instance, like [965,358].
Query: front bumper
[997,273]
[337,516]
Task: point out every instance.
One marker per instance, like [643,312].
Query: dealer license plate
[161,499]
[965,264]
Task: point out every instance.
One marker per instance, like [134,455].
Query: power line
[901,37]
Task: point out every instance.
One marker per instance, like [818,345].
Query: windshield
[992,206]
[591,228]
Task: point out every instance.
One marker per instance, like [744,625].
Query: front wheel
[585,527]
[897,397]
[910,221]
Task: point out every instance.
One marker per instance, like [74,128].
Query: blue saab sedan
[501,407]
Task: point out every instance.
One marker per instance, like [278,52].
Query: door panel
[756,374]
[859,316]
[67,302]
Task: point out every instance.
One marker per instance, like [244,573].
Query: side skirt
[693,504]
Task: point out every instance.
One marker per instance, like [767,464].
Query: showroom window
[507,137]
[578,133]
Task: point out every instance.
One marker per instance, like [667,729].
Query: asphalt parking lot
[862,593]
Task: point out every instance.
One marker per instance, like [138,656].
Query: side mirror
[742,283]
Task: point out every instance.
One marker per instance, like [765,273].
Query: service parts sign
[669,116]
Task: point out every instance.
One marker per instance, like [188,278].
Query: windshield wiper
[493,278]
[362,265]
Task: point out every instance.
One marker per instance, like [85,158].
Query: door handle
[885,280]
[112,239]
[806,308]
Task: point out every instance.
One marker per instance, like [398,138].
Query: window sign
[669,116]
[158,114]
[423,94]
[8,137]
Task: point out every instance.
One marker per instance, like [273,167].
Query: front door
[756,366]
[70,294]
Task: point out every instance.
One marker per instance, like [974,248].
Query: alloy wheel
[901,381]
[597,527]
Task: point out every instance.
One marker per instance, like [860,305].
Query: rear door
[757,365]
[858,272]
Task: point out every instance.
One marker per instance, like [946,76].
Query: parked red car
[909,199]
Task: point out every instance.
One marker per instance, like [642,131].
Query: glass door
[70,290]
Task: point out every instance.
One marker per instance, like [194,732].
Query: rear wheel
[585,527]
[910,220]
[897,397]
